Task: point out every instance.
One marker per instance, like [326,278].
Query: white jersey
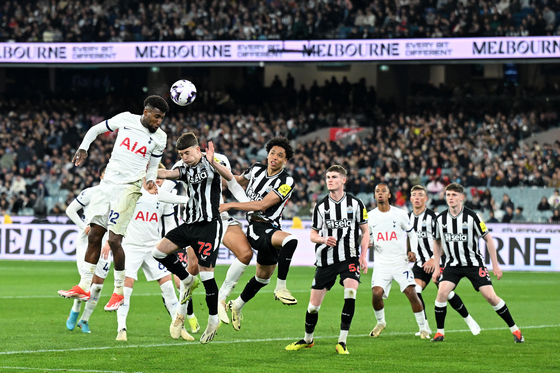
[84,198]
[135,147]
[387,232]
[145,228]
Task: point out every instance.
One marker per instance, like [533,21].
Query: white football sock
[86,275]
[77,306]
[122,311]
[169,297]
[380,316]
[95,293]
[233,275]
[119,281]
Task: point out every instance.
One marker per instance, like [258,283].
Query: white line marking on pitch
[242,341]
[65,370]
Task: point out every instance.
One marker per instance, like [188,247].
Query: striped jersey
[204,186]
[387,233]
[425,227]
[459,237]
[260,184]
[341,220]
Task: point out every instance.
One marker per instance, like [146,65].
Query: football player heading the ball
[136,154]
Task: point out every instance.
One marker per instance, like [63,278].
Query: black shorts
[420,274]
[259,235]
[204,238]
[478,276]
[325,277]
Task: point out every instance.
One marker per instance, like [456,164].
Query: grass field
[34,337]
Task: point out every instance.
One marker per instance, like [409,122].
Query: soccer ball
[183,92]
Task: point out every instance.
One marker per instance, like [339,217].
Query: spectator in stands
[508,216]
[506,202]
[40,213]
[554,199]
[491,218]
[543,205]
[518,215]
[555,218]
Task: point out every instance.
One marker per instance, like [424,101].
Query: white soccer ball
[183,92]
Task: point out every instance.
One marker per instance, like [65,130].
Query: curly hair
[156,102]
[392,198]
[282,142]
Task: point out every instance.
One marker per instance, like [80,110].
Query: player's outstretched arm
[493,256]
[169,174]
[79,157]
[269,200]
[222,170]
[90,136]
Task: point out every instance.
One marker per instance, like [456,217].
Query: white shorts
[103,265]
[384,274]
[228,223]
[137,257]
[112,206]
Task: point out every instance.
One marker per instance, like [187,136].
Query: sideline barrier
[521,247]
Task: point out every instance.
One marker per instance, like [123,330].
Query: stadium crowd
[428,147]
[138,20]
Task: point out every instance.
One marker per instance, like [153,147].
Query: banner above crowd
[385,50]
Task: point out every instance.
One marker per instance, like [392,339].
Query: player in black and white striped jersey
[203,229]
[269,188]
[457,235]
[424,222]
[338,220]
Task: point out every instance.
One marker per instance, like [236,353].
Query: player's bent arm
[152,171]
[241,180]
[169,174]
[237,190]
[269,200]
[493,256]
[72,212]
[170,222]
[315,237]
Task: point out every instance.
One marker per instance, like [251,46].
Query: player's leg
[311,317]
[117,298]
[422,279]
[101,272]
[350,291]
[164,253]
[502,310]
[381,282]
[122,312]
[445,287]
[236,241]
[208,237]
[457,303]
[261,279]
[81,246]
[93,251]
[287,244]
[418,309]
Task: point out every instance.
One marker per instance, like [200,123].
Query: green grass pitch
[34,336]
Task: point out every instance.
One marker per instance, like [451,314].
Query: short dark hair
[418,187]
[156,102]
[186,140]
[455,187]
[282,142]
[102,169]
[338,168]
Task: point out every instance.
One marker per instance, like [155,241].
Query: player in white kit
[82,201]
[144,232]
[136,154]
[387,226]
